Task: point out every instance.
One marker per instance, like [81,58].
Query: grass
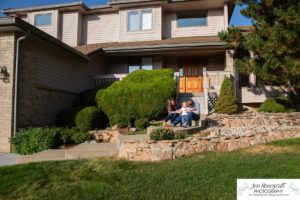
[203,176]
[286,142]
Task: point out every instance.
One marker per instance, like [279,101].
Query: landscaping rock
[227,133]
[106,136]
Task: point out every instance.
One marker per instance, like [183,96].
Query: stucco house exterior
[48,54]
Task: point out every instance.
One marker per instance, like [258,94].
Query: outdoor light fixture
[3,73]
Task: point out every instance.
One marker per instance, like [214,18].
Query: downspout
[17,81]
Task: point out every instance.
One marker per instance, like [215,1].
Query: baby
[184,114]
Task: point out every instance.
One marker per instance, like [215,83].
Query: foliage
[120,120]
[179,135]
[162,134]
[88,97]
[80,137]
[72,136]
[31,140]
[142,94]
[210,175]
[227,102]
[276,105]
[274,41]
[84,118]
[141,123]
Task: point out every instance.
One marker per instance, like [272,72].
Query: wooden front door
[191,76]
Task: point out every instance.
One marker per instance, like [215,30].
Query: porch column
[205,90]
[225,16]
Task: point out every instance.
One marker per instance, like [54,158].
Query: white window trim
[37,14]
[140,15]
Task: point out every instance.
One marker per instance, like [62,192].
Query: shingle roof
[90,48]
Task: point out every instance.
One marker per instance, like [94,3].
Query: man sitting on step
[194,114]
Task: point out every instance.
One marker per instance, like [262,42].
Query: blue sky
[236,20]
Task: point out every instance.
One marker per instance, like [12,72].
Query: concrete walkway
[7,159]
[81,151]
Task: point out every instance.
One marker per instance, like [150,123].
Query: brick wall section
[38,106]
[7,52]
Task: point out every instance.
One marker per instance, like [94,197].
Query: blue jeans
[185,119]
[177,120]
[171,117]
[192,116]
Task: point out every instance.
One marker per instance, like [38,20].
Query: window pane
[43,19]
[133,68]
[133,21]
[146,19]
[191,20]
[147,63]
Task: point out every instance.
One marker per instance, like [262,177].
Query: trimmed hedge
[28,141]
[84,118]
[227,102]
[142,94]
[276,105]
[88,97]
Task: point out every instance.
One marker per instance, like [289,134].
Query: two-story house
[143,34]
[48,54]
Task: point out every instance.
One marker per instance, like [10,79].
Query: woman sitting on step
[172,108]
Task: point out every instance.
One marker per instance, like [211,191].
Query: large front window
[139,20]
[191,20]
[136,63]
[43,19]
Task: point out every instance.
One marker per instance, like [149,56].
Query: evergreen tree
[274,41]
[227,102]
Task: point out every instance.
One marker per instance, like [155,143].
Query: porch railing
[107,78]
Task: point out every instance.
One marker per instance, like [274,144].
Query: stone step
[47,155]
[92,150]
[141,137]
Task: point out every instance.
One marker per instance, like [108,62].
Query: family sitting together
[190,110]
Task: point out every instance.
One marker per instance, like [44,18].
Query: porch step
[92,150]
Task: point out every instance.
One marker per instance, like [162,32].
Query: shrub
[119,120]
[179,135]
[31,140]
[227,102]
[88,97]
[162,134]
[141,124]
[80,137]
[85,119]
[276,104]
[142,94]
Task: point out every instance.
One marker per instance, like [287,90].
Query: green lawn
[203,176]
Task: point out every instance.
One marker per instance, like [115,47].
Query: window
[136,63]
[188,20]
[139,20]
[42,19]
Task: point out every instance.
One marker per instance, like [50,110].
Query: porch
[198,74]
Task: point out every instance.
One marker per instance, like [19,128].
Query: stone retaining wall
[222,138]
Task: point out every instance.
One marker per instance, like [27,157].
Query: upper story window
[192,19]
[43,19]
[139,20]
